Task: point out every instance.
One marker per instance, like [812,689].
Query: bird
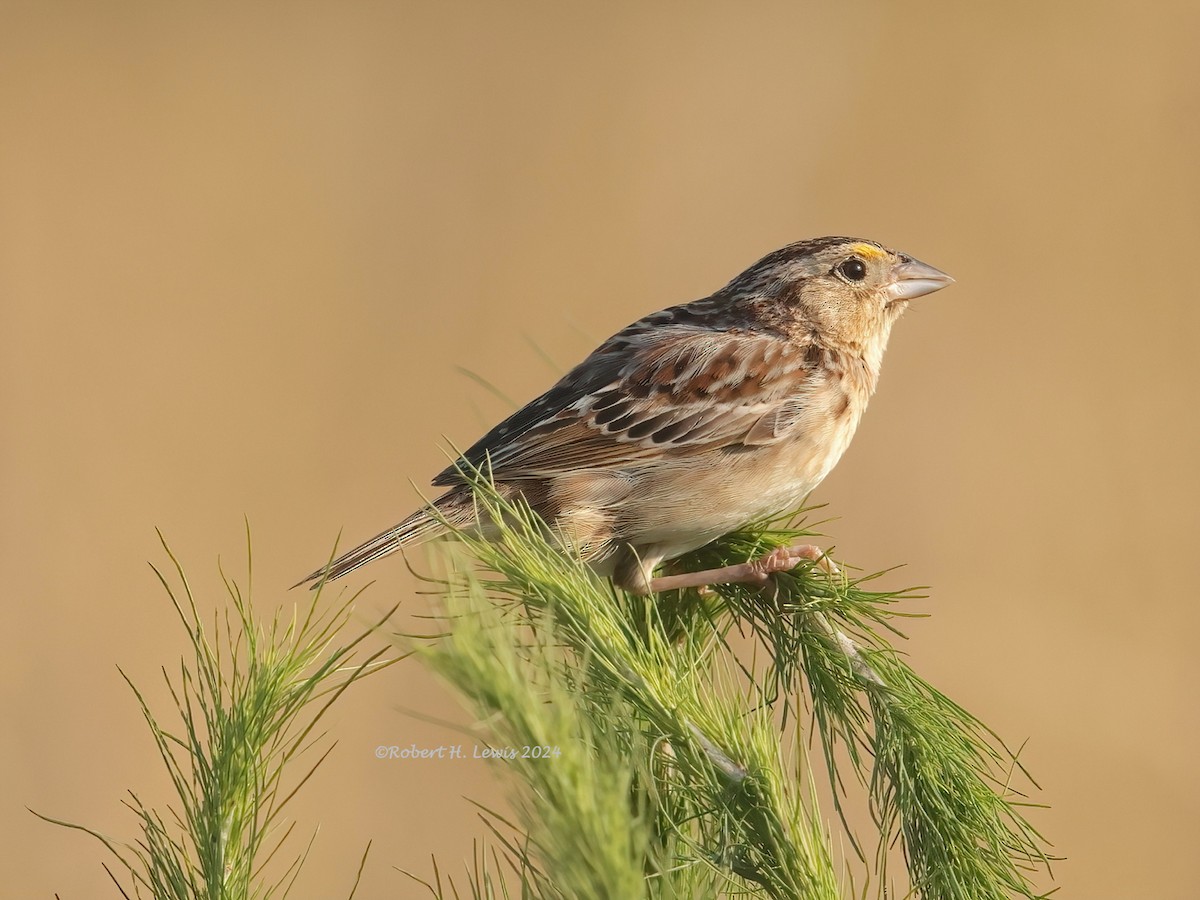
[693,421]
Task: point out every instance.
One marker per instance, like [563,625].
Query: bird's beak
[913,278]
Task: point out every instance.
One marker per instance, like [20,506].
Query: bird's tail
[456,508]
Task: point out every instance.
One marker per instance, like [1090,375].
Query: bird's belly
[682,507]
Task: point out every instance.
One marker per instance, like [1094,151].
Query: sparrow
[693,421]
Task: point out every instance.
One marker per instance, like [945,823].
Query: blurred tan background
[243,248]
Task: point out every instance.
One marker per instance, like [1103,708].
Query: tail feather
[454,508]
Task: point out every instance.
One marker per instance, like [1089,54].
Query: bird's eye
[853,269]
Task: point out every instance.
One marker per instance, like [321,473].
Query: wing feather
[667,391]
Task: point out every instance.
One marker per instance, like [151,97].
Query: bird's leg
[756,571]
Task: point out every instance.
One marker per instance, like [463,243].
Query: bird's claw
[784,559]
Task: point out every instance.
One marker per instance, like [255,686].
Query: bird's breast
[686,503]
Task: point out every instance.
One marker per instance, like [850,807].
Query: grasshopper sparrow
[695,420]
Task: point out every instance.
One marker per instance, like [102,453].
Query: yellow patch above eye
[868,251]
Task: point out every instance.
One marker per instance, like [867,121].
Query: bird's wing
[669,390]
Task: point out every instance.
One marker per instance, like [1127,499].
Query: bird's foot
[756,571]
[759,571]
[784,559]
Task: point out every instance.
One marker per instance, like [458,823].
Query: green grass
[243,740]
[658,747]
[677,776]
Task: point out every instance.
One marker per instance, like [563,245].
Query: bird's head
[846,292]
